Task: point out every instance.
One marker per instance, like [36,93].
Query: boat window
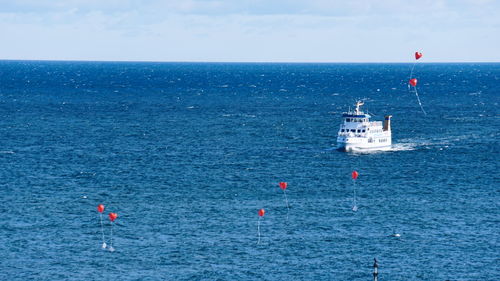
[363,131]
[348,119]
[342,130]
[359,131]
[352,130]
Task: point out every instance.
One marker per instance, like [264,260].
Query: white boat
[358,133]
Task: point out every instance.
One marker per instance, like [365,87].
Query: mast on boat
[358,104]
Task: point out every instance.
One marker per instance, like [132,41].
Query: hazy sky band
[274,31]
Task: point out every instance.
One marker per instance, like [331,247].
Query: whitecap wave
[240,115]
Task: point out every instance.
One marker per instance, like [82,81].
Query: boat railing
[375,123]
[351,135]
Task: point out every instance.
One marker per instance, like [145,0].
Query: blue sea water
[187,153]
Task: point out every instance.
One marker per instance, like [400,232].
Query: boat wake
[434,143]
[403,147]
[406,145]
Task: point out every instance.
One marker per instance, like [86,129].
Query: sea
[186,154]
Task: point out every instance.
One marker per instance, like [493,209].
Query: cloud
[245,30]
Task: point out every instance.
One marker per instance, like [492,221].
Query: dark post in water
[375,270]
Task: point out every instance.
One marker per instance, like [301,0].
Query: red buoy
[413,82]
[112,216]
[100,208]
[261,212]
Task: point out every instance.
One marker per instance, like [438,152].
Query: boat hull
[356,148]
[364,144]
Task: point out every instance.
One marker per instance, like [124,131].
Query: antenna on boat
[371,113]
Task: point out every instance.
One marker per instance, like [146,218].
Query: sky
[251,30]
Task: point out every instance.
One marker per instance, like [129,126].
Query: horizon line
[250,62]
